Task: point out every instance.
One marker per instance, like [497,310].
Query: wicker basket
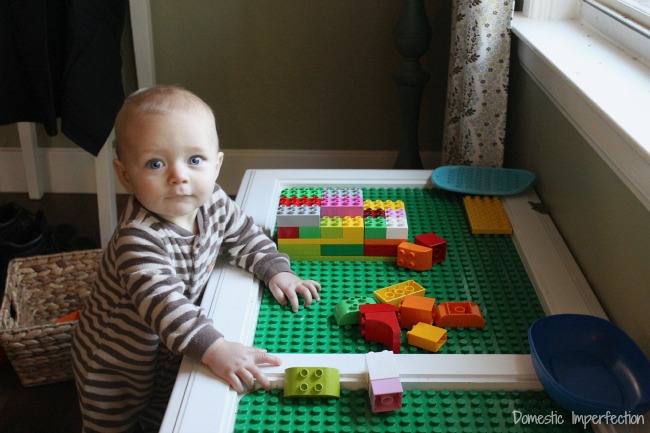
[39,290]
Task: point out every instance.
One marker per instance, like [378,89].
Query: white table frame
[201,402]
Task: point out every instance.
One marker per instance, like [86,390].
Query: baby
[143,314]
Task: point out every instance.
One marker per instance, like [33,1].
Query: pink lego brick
[386,394]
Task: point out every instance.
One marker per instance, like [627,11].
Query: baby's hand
[238,364]
[285,286]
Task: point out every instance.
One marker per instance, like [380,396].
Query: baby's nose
[178,174]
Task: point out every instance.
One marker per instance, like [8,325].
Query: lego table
[234,299]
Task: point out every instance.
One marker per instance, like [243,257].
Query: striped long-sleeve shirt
[144,306]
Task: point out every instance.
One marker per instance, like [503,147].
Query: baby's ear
[122,175]
[219,163]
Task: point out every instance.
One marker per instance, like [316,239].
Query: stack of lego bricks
[338,224]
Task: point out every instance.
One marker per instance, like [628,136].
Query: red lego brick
[288,232]
[416,257]
[378,322]
[436,243]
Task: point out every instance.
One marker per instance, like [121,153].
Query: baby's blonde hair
[160,99]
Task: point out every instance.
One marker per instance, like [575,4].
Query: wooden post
[412,37]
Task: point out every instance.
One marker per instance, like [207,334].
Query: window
[636,11]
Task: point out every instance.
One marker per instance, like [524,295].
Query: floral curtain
[475,117]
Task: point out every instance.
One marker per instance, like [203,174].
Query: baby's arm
[238,364]
[286,286]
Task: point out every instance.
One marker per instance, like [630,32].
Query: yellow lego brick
[395,294]
[427,336]
[487,216]
[299,250]
[398,204]
[373,204]
[319,241]
[353,229]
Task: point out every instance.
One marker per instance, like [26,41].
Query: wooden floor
[47,408]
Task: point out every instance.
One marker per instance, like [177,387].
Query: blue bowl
[590,366]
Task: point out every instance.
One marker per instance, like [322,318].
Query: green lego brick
[302,192]
[311,382]
[483,269]
[347,311]
[342,250]
[422,412]
[309,232]
[375,228]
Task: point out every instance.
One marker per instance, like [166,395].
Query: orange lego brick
[486,215]
[459,315]
[414,257]
[415,309]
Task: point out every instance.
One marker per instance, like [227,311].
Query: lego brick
[331,227]
[374,213]
[341,250]
[381,251]
[459,315]
[427,337]
[364,258]
[381,365]
[302,192]
[298,250]
[317,241]
[486,215]
[298,216]
[382,327]
[396,228]
[390,204]
[297,241]
[309,232]
[353,229]
[378,308]
[384,242]
[394,294]
[386,394]
[347,311]
[415,309]
[342,202]
[373,204]
[395,213]
[299,201]
[412,256]
[437,244]
[312,382]
[288,233]
[375,228]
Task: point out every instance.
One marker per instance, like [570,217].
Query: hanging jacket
[62,59]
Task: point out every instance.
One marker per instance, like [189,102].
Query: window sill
[603,91]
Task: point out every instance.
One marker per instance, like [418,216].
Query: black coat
[62,58]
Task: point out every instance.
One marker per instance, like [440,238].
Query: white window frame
[596,70]
[624,11]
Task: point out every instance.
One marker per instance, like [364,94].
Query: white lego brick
[381,365]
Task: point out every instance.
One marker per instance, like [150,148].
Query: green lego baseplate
[486,270]
[421,412]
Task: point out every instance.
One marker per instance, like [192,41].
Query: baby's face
[170,163]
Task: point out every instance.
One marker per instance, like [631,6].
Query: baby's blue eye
[195,160]
[155,164]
